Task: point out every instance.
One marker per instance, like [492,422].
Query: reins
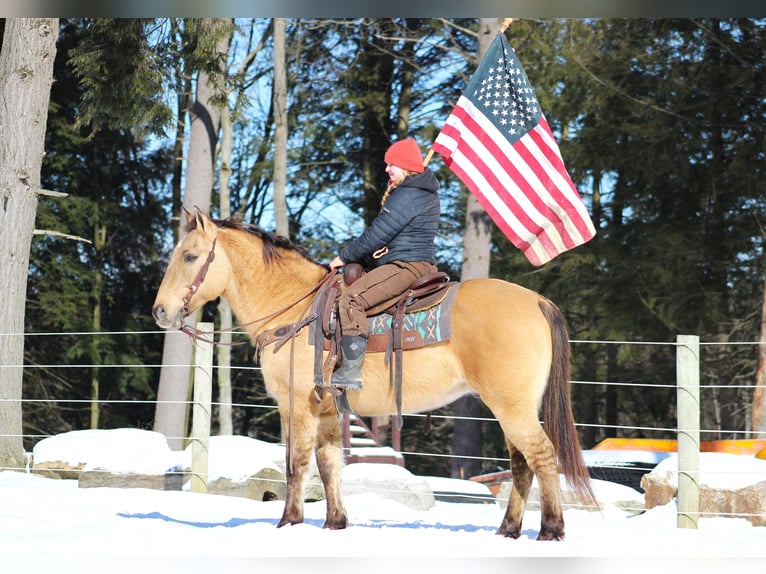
[195,333]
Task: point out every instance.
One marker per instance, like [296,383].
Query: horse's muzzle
[162,319]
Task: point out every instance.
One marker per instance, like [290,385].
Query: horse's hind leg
[329,455]
[534,446]
[520,485]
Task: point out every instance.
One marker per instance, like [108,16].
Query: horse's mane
[272,242]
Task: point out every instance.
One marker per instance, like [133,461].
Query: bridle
[200,277]
[198,280]
[293,330]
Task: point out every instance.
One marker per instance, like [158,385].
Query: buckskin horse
[508,345]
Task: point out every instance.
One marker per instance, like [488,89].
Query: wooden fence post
[688,379]
[203,391]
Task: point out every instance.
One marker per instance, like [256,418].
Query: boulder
[748,502]
[121,451]
[251,468]
[660,487]
[267,484]
[57,469]
[627,498]
[731,486]
[98,478]
[388,481]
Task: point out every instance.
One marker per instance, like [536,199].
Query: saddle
[424,293]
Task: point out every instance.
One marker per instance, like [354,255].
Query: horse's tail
[557,409]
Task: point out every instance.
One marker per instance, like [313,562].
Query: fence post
[688,380]
[203,391]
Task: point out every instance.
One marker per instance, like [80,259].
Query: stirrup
[340,387]
[333,390]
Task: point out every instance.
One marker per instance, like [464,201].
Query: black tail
[557,408]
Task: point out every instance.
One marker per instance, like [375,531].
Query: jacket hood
[426,181]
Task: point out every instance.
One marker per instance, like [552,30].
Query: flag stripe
[470,160]
[479,161]
[467,166]
[498,142]
[555,183]
[509,175]
[565,188]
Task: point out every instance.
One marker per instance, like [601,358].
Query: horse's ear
[204,223]
[189,215]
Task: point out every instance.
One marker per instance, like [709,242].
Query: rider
[399,246]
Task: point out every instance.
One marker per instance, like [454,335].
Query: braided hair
[393,185]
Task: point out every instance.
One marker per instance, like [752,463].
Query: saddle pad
[420,328]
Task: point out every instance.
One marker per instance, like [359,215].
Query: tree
[281,128]
[26,72]
[175,378]
[655,125]
[467,431]
[759,420]
[89,273]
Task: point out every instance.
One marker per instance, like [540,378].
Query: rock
[660,487]
[57,469]
[388,481]
[267,484]
[104,478]
[459,490]
[568,497]
[251,468]
[314,489]
[119,450]
[730,486]
[748,502]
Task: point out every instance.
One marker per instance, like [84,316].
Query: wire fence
[610,429]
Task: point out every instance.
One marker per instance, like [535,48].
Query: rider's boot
[349,374]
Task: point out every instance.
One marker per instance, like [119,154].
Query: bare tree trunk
[759,421]
[280,133]
[26,74]
[99,244]
[225,423]
[467,434]
[173,393]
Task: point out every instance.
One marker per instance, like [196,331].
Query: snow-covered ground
[54,526]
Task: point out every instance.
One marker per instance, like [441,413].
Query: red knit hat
[406,155]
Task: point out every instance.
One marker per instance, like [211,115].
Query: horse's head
[198,272]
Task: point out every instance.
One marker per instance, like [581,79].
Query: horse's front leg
[329,456]
[299,450]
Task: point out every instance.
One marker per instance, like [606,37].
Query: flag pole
[503,27]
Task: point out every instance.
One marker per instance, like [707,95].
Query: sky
[51,525]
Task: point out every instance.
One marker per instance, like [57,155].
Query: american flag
[497,141]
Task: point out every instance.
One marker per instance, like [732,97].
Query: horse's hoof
[336,520]
[286,521]
[334,526]
[508,532]
[550,535]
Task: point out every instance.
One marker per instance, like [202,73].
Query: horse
[508,345]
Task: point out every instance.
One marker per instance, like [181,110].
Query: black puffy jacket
[406,224]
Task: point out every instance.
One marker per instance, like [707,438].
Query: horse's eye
[190,258]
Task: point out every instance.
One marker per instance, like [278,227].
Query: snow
[52,525]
